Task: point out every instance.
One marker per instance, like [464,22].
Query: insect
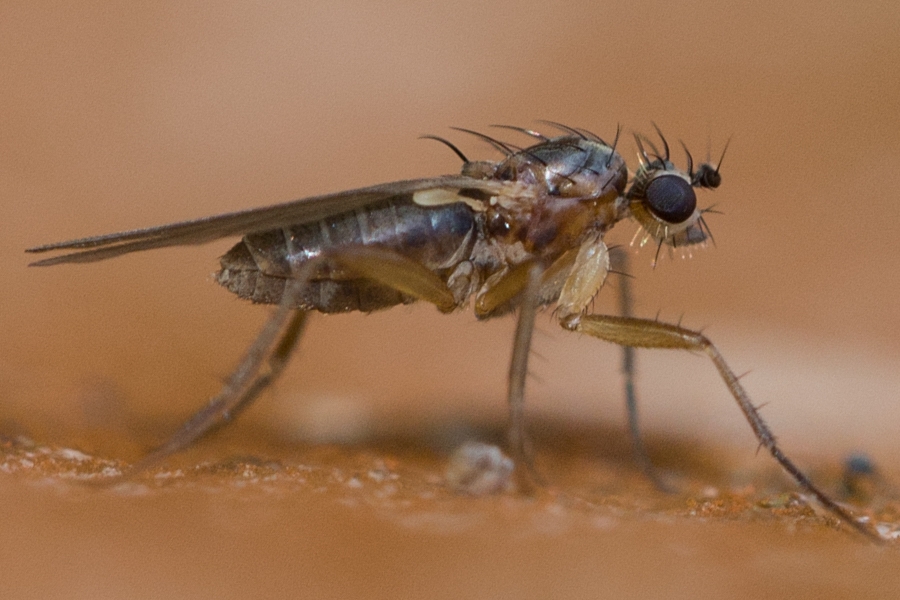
[513,235]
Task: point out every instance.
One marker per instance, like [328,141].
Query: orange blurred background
[117,116]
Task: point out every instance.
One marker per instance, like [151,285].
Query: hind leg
[272,347]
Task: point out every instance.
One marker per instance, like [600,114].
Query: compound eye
[671,198]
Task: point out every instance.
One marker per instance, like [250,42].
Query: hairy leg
[643,333]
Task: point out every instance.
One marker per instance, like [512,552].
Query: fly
[514,235]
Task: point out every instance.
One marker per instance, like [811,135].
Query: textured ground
[244,517]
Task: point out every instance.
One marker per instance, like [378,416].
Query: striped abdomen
[438,237]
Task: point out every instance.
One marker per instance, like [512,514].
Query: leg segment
[522,285]
[243,386]
[619,260]
[398,272]
[280,335]
[642,333]
[519,443]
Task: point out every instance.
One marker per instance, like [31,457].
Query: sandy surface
[116,117]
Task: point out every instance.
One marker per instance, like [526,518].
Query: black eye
[671,198]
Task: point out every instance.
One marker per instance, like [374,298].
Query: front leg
[644,333]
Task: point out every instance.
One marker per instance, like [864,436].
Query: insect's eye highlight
[671,198]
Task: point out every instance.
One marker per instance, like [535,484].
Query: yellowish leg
[643,333]
[398,272]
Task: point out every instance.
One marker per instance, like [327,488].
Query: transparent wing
[207,229]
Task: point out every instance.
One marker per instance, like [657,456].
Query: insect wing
[297,212]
